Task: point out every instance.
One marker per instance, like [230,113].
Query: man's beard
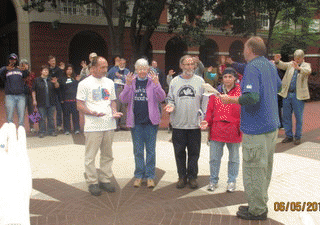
[189,72]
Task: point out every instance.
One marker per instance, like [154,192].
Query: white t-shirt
[97,95]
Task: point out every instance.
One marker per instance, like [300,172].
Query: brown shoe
[193,183]
[150,183]
[297,141]
[287,140]
[137,182]
[181,183]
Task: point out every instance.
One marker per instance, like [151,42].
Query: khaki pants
[94,141]
[257,152]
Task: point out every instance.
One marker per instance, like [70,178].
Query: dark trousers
[190,139]
[30,108]
[46,115]
[58,112]
[68,109]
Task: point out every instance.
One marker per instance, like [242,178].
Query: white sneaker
[212,186]
[231,187]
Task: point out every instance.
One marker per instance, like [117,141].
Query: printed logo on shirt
[69,80]
[186,91]
[100,94]
[105,94]
[10,73]
[140,95]
[249,86]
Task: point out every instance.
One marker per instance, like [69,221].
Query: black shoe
[41,135]
[246,215]
[94,189]
[287,140]
[245,208]
[297,141]
[193,184]
[181,183]
[53,134]
[108,187]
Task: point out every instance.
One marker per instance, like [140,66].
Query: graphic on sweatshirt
[186,91]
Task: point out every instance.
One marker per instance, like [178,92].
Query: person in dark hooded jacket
[13,77]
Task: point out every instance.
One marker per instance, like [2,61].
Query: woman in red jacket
[224,124]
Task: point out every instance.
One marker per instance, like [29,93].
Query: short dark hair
[95,60]
[44,67]
[257,45]
[230,70]
[51,57]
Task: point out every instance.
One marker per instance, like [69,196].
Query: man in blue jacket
[259,124]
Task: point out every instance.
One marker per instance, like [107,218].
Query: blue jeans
[15,101]
[292,105]
[216,152]
[144,135]
[47,114]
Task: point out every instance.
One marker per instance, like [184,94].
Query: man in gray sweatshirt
[186,106]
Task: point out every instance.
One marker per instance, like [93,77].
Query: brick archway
[175,49]
[236,51]
[82,44]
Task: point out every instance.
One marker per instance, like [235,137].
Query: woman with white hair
[143,93]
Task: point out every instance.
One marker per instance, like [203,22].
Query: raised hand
[277,58]
[153,76]
[15,175]
[83,64]
[171,73]
[295,65]
[229,60]
[130,77]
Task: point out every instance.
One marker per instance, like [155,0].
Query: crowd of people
[244,110]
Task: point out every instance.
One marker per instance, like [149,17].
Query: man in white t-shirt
[96,100]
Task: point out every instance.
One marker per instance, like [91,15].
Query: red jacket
[224,119]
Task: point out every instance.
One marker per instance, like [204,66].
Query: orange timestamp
[296,206]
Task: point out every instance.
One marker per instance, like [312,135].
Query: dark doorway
[236,51]
[175,49]
[82,45]
[8,31]
[209,53]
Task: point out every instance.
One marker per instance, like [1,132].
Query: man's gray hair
[299,53]
[141,63]
[24,61]
[185,57]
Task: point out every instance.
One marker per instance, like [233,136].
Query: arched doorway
[82,45]
[236,51]
[8,31]
[175,49]
[209,53]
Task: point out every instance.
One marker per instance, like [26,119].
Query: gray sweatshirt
[186,96]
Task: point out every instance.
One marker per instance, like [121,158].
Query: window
[69,8]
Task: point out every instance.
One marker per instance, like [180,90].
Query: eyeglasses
[189,64]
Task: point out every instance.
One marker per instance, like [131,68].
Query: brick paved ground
[60,194]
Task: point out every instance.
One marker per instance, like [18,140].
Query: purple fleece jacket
[155,95]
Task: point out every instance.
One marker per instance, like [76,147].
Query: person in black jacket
[55,71]
[13,77]
[44,100]
[68,86]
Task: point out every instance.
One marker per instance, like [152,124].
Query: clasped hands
[16,187]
